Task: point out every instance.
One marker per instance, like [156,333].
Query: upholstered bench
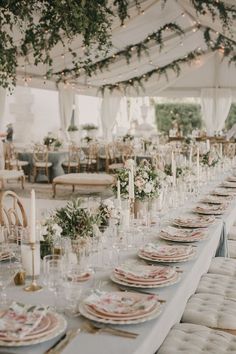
[102,180]
[6,175]
[223,266]
[194,339]
[223,285]
[211,310]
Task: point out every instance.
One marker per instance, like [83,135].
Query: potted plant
[90,129]
[73,132]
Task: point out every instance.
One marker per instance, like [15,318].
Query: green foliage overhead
[42,24]
[187,115]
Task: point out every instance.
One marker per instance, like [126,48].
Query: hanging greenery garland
[137,81]
[46,23]
[127,53]
[43,24]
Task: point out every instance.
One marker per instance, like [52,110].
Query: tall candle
[173,168]
[118,194]
[190,156]
[198,165]
[32,234]
[131,183]
[221,150]
[208,147]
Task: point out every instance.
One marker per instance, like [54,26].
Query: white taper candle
[32,234]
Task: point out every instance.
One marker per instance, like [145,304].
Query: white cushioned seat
[102,180]
[70,163]
[186,338]
[217,284]
[42,164]
[232,233]
[19,163]
[11,174]
[211,310]
[88,179]
[115,166]
[223,266]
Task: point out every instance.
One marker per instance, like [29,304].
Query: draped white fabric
[223,103]
[2,108]
[66,101]
[109,111]
[215,104]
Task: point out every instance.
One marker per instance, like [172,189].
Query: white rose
[57,229]
[148,188]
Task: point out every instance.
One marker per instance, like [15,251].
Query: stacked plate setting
[214,199]
[194,221]
[23,325]
[224,192]
[6,256]
[171,233]
[166,253]
[120,307]
[210,209]
[228,184]
[145,276]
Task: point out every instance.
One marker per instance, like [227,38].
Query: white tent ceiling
[207,71]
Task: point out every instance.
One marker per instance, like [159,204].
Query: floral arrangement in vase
[210,159]
[71,221]
[147,181]
[107,211]
[180,171]
[51,141]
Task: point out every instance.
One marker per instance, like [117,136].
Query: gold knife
[63,342]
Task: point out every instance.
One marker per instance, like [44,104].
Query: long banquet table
[151,333]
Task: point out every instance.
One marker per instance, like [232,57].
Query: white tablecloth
[151,334]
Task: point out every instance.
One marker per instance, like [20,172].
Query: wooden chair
[40,161]
[90,163]
[112,162]
[73,162]
[12,162]
[12,212]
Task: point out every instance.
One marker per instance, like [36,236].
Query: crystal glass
[7,273]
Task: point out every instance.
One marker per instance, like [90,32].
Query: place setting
[224,192]
[216,199]
[177,234]
[25,325]
[194,221]
[211,209]
[120,308]
[157,252]
[140,275]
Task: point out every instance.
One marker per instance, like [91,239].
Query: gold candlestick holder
[131,206]
[33,286]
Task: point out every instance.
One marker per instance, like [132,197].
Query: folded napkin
[181,233]
[144,271]
[20,320]
[167,251]
[117,303]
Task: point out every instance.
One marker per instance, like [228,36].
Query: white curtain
[223,104]
[215,105]
[109,111]
[2,109]
[66,101]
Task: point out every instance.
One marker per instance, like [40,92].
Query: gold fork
[92,328]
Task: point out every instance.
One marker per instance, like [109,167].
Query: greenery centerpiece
[108,211]
[72,128]
[71,221]
[147,181]
[210,159]
[52,142]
